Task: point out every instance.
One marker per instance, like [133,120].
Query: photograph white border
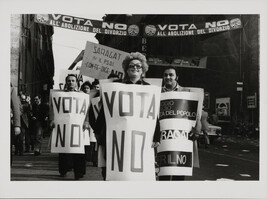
[95,189]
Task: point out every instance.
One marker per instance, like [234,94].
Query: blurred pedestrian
[205,127]
[14,117]
[26,109]
[214,118]
[39,117]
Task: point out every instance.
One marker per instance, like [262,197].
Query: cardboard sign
[178,114]
[70,109]
[131,113]
[100,61]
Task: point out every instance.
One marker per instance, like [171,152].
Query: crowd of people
[34,116]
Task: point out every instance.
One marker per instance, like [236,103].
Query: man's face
[37,100]
[170,78]
[23,98]
[71,83]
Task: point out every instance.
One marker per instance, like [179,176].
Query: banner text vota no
[87,25]
[69,105]
[143,112]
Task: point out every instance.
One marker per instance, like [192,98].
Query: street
[233,158]
[228,161]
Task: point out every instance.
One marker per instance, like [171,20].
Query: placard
[70,109]
[131,113]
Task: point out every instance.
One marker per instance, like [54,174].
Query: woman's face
[135,69]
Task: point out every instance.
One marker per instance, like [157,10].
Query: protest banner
[189,29]
[100,61]
[150,30]
[69,112]
[180,61]
[179,112]
[87,25]
[131,113]
[64,73]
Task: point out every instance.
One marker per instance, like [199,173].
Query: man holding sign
[179,126]
[68,120]
[127,125]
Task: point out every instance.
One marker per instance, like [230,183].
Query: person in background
[29,140]
[26,109]
[90,150]
[39,116]
[135,66]
[14,117]
[214,118]
[205,127]
[170,84]
[67,161]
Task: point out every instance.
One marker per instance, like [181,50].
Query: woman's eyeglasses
[137,66]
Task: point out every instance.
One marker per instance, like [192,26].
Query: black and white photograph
[134,99]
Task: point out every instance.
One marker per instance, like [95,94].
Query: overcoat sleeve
[15,107]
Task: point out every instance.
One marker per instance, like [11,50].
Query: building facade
[32,62]
[229,60]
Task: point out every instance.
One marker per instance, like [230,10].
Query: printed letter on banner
[70,109]
[178,114]
[131,112]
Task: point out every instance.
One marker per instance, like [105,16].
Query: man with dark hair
[170,80]
[39,116]
[170,84]
[67,161]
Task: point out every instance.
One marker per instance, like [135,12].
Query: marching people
[39,116]
[24,109]
[29,136]
[135,66]
[25,124]
[14,117]
[67,161]
[170,84]
[214,118]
